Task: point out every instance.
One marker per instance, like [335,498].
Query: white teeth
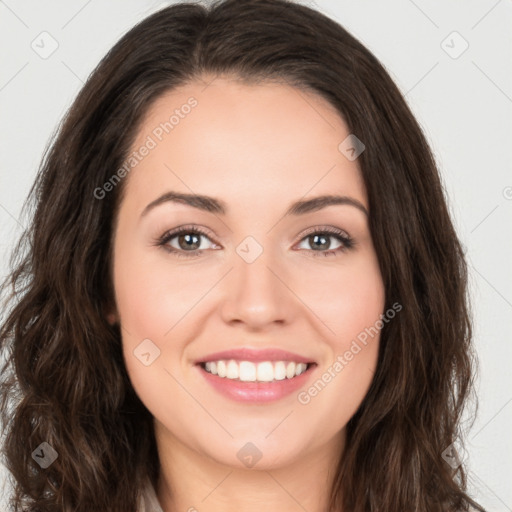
[232,370]
[290,370]
[279,370]
[265,372]
[247,371]
[301,368]
[221,368]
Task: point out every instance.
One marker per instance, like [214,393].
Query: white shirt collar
[149,501]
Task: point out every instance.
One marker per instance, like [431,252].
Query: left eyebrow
[320,202]
[214,205]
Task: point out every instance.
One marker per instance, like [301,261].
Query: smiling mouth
[248,371]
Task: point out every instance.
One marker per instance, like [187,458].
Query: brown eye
[189,241]
[185,241]
[319,242]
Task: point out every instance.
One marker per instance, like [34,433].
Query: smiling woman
[269,306]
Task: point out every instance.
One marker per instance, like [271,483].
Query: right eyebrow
[206,203]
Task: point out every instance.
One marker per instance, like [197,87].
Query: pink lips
[255,392]
[249,354]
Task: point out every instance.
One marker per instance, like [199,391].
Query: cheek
[350,300]
[148,305]
[340,387]
[344,377]
[152,297]
[347,298]
[152,294]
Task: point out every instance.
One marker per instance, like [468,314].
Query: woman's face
[247,276]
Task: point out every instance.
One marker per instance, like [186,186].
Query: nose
[257,295]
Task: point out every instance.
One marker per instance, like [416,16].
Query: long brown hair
[64,380]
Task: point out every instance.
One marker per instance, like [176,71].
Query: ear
[112,318]
[109,308]
[110,313]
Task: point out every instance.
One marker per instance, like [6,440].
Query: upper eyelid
[331,230]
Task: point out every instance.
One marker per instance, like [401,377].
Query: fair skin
[258,148]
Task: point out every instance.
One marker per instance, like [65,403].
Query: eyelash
[347,241]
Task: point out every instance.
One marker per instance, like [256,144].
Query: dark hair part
[67,384]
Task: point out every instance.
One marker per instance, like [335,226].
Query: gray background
[463,100]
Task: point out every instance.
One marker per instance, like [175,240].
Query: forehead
[243,141]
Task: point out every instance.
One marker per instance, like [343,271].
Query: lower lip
[256,392]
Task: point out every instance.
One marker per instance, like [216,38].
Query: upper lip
[250,354]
